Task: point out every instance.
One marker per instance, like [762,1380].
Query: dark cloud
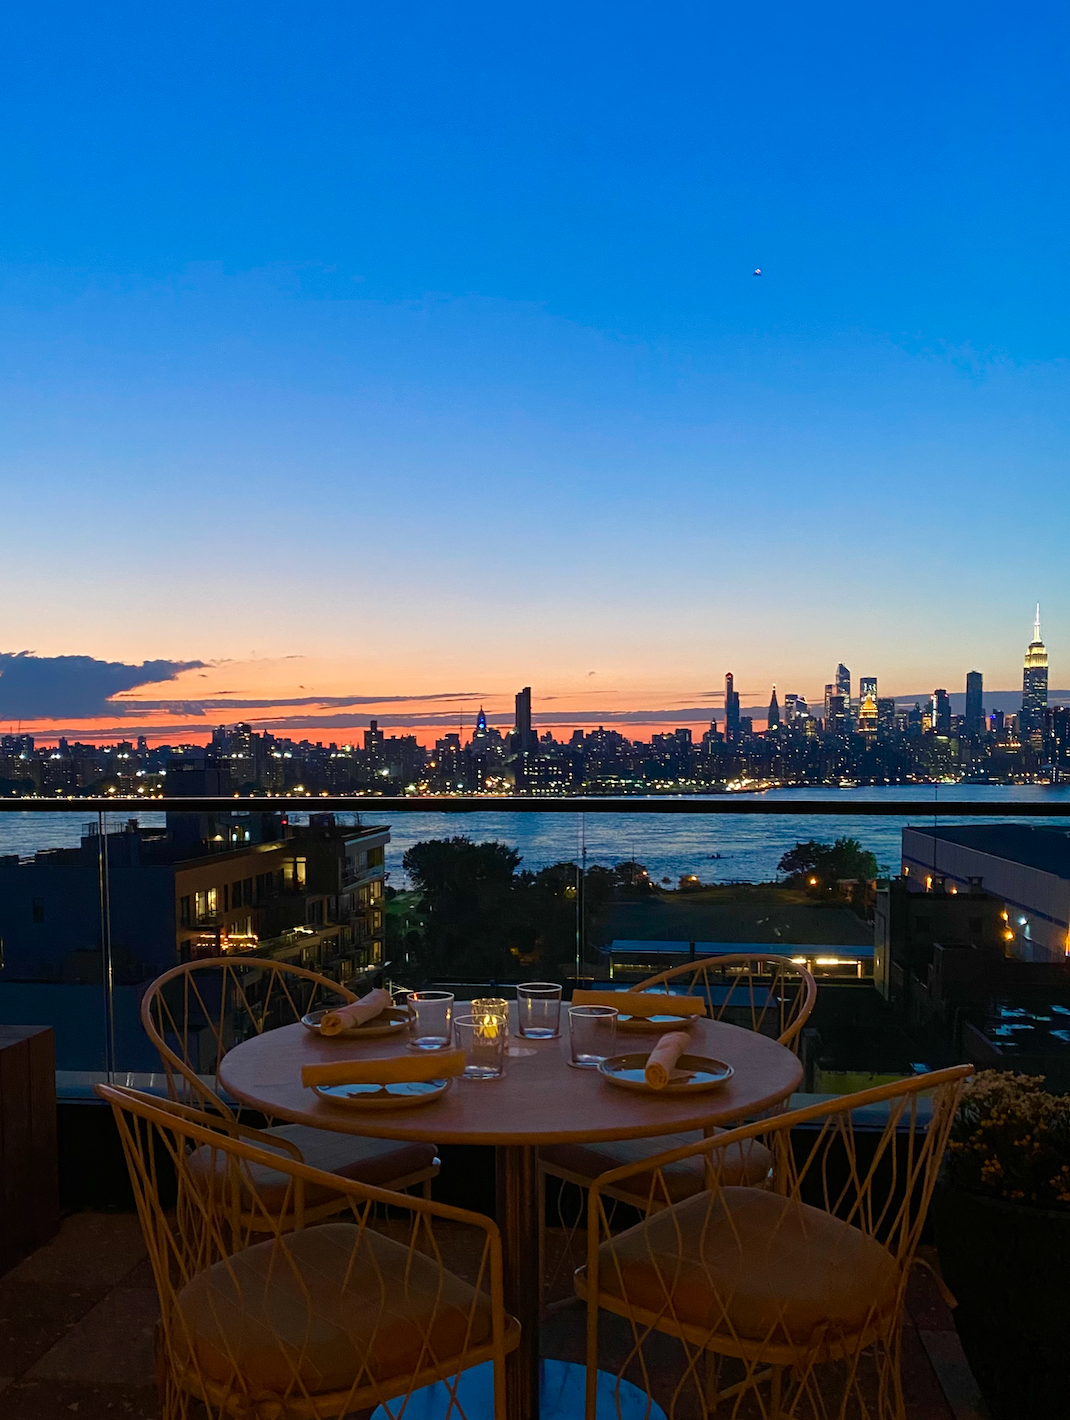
[58,687]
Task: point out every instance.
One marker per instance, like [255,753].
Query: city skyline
[158,709]
[435,357]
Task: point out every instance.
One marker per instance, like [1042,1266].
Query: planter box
[1007,1265]
[29,1176]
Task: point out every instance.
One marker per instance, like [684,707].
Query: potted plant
[1002,1216]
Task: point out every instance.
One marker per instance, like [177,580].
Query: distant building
[886,715]
[1029,868]
[941,712]
[731,708]
[1034,686]
[526,738]
[867,686]
[843,682]
[868,716]
[974,723]
[772,719]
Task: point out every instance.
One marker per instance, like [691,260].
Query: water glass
[482,1038]
[432,1014]
[538,1010]
[592,1032]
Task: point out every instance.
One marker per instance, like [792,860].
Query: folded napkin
[357,1012]
[642,1003]
[661,1063]
[395,1070]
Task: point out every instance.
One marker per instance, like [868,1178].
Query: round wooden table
[539,1100]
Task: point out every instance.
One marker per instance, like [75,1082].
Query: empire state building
[1034,685]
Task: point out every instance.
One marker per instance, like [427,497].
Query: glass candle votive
[538,1010]
[482,1038]
[492,1006]
[592,1032]
[432,1014]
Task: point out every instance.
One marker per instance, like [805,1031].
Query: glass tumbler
[592,1032]
[432,1014]
[482,1038]
[538,1010]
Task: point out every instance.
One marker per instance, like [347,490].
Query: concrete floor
[76,1324]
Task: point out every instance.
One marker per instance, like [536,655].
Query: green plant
[1011,1140]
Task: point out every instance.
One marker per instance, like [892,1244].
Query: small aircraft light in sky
[757,271]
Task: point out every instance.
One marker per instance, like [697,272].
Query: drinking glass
[482,1038]
[538,1010]
[592,1032]
[432,1013]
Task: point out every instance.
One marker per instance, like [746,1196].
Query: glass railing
[934,917]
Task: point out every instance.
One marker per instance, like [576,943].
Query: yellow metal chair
[196,1012]
[261,1321]
[770,994]
[787,1301]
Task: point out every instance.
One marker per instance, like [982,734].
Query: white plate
[627,1072]
[405,1094]
[388,1022]
[646,1025]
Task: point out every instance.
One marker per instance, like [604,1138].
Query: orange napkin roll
[356,1013]
[661,1062]
[642,1003]
[395,1070]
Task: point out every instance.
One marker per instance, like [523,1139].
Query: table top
[540,1099]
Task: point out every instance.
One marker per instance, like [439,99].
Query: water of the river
[668,845]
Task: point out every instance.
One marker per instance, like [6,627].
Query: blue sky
[390,348]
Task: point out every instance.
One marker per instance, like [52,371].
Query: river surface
[718,848]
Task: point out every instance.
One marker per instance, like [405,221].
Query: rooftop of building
[1045,849]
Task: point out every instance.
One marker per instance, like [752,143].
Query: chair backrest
[870,1158]
[351,1276]
[196,1012]
[771,1275]
[767,993]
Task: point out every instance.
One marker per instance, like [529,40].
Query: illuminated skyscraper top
[1034,684]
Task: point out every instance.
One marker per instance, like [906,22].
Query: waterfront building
[1034,687]
[206,885]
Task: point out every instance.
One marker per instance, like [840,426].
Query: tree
[828,862]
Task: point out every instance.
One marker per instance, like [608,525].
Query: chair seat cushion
[379,1162]
[751,1264]
[748,1162]
[326,1309]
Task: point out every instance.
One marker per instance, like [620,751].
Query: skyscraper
[974,723]
[1034,685]
[843,682]
[731,708]
[525,735]
[941,706]
[772,719]
[867,687]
